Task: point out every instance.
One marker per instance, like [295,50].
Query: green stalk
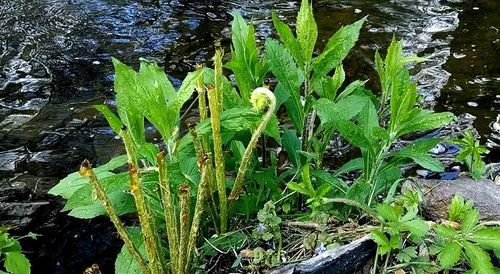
[87,171]
[215,110]
[183,226]
[145,216]
[168,208]
[198,210]
[202,106]
[257,96]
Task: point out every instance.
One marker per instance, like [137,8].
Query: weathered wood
[346,259]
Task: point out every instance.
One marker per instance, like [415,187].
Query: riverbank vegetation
[259,150]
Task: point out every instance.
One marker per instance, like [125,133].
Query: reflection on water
[55,61]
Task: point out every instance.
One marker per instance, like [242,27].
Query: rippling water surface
[55,64]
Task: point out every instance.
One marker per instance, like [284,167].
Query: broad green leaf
[445,231]
[326,177]
[306,178]
[225,242]
[368,118]
[478,258]
[450,255]
[307,30]
[351,89]
[291,144]
[335,51]
[388,212]
[331,85]
[419,228]
[122,202]
[114,122]
[185,90]
[300,189]
[290,77]
[382,241]
[17,263]
[330,112]
[84,197]
[425,120]
[470,220]
[354,164]
[288,39]
[125,86]
[248,70]
[125,263]
[69,185]
[353,134]
[418,152]
[486,236]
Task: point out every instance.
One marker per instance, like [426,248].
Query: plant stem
[184,219]
[145,216]
[219,157]
[168,208]
[245,160]
[86,170]
[198,210]
[215,110]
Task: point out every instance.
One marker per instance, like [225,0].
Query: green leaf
[307,30]
[388,212]
[353,134]
[418,152]
[330,112]
[290,77]
[114,122]
[125,86]
[418,228]
[248,70]
[288,39]
[450,255]
[291,144]
[470,220]
[425,120]
[225,242]
[125,263]
[487,237]
[17,263]
[354,164]
[382,241]
[69,185]
[332,84]
[335,51]
[478,258]
[445,231]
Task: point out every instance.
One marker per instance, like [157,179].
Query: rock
[349,258]
[22,214]
[438,194]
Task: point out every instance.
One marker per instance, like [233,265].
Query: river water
[55,64]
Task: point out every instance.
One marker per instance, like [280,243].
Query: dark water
[55,64]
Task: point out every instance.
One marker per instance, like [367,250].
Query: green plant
[153,176]
[301,75]
[399,226]
[381,165]
[12,255]
[268,230]
[408,242]
[464,239]
[470,153]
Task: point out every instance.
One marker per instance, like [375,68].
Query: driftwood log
[348,259]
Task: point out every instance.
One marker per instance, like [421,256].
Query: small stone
[96,62]
[472,104]
[357,11]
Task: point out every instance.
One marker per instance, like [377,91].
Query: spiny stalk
[168,208]
[214,99]
[184,222]
[87,171]
[144,213]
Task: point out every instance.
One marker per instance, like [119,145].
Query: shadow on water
[55,64]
